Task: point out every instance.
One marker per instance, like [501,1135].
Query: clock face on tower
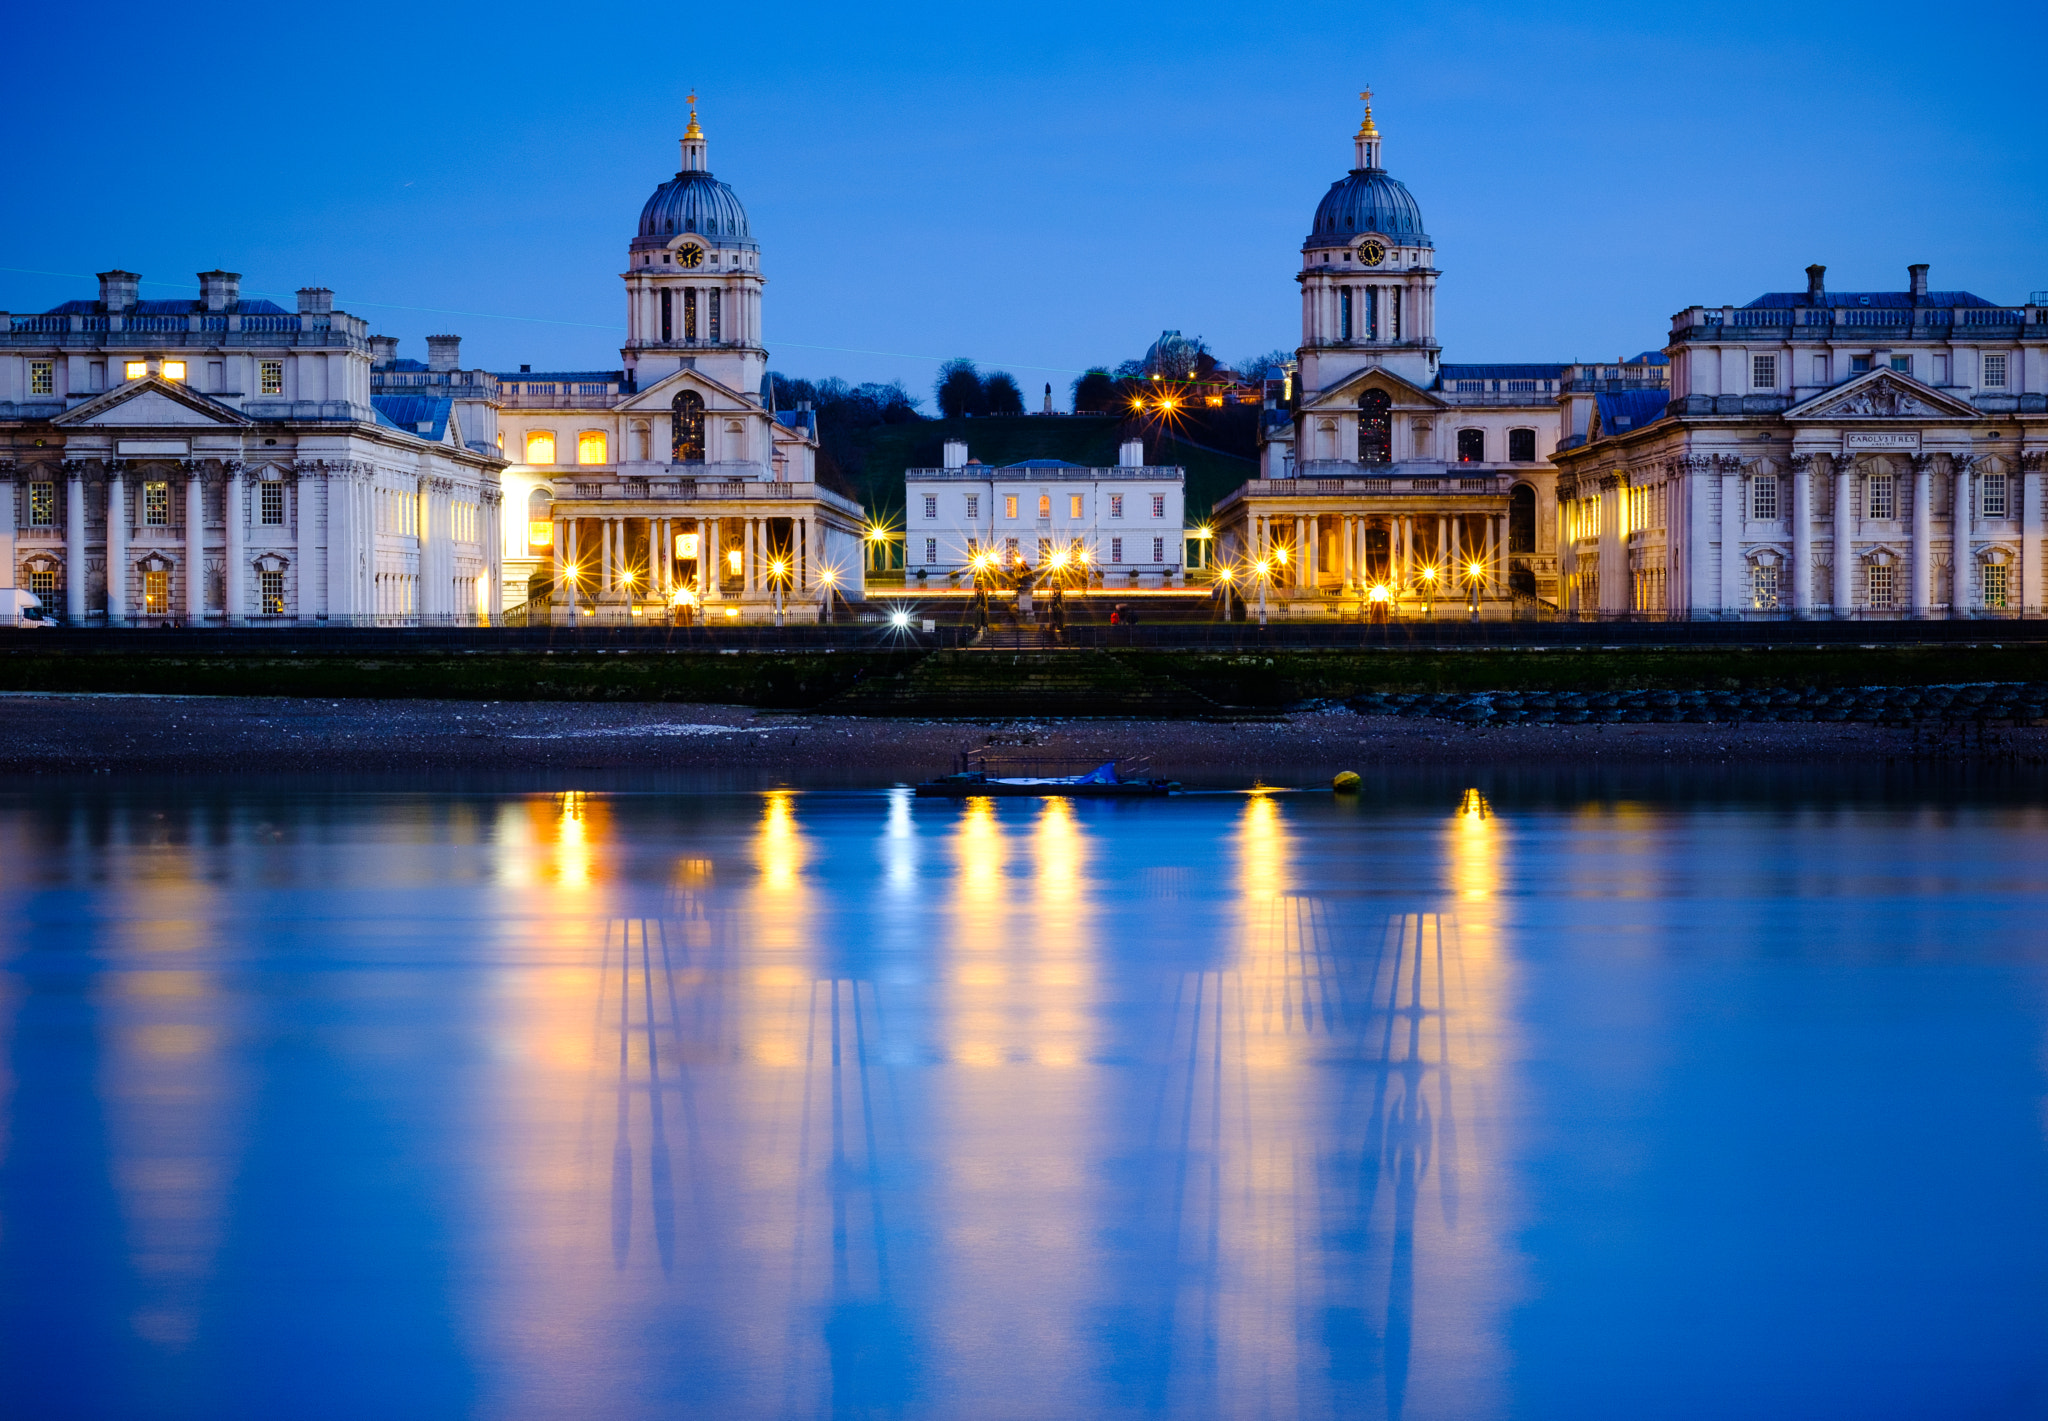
[691,256]
[1372,253]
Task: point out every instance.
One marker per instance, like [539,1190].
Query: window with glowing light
[1116,507]
[1045,505]
[174,369]
[156,504]
[735,560]
[540,534]
[42,505]
[135,369]
[540,447]
[591,447]
[1158,505]
[931,550]
[1009,505]
[156,592]
[1995,582]
[1764,586]
[270,381]
[686,546]
[687,435]
[1074,505]
[270,591]
[42,377]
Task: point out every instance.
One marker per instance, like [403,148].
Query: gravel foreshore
[74,734]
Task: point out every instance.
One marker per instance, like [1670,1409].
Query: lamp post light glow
[1263,569]
[778,576]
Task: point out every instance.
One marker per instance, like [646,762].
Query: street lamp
[1262,568]
[1428,589]
[1474,571]
[778,571]
[827,579]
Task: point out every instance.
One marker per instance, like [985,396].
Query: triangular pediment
[1346,392]
[151,403]
[1883,394]
[658,397]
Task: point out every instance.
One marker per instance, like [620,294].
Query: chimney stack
[444,352]
[219,290]
[1816,289]
[315,301]
[956,454]
[383,352]
[117,290]
[1131,455]
[1916,276]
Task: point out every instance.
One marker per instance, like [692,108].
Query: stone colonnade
[616,555]
[1444,539]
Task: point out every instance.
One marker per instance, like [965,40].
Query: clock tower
[1368,277]
[693,280]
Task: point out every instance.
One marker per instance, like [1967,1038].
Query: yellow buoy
[1347,782]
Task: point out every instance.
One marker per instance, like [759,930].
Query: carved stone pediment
[1883,394]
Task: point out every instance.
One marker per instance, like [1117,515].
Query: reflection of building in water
[1015,1019]
[1323,1119]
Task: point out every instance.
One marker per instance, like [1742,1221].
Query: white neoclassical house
[1862,453]
[225,461]
[1124,523]
[672,480]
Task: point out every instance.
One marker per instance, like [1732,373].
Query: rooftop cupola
[1367,140]
[695,159]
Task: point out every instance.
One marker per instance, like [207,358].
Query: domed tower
[1368,277]
[693,280]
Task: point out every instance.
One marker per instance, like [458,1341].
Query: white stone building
[1870,453]
[1124,524]
[224,461]
[672,481]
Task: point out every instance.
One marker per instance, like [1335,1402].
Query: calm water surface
[1440,1104]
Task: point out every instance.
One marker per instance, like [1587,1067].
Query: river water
[1511,1099]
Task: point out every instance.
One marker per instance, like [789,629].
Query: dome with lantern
[1366,200]
[694,202]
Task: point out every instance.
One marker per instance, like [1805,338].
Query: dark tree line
[963,390]
[844,413]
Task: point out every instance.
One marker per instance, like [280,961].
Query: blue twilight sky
[1038,188]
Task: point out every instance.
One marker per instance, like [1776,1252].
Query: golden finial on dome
[1366,129]
[695,132]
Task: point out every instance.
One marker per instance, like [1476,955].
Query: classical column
[1844,600]
[709,551]
[74,545]
[7,529]
[2030,533]
[1802,535]
[1922,571]
[340,554]
[1962,598]
[604,556]
[195,549]
[234,592]
[1496,553]
[1440,555]
[1731,535]
[117,546]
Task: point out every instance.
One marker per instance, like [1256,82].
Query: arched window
[689,313]
[667,327]
[1375,428]
[689,428]
[1521,446]
[1521,519]
[540,521]
[540,447]
[1471,446]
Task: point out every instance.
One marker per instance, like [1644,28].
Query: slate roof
[1896,300]
[169,308]
[1366,200]
[409,412]
[1044,464]
[1628,410]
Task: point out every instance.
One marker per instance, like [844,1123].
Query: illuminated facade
[1123,523]
[1392,474]
[1822,453]
[670,486]
[225,461]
